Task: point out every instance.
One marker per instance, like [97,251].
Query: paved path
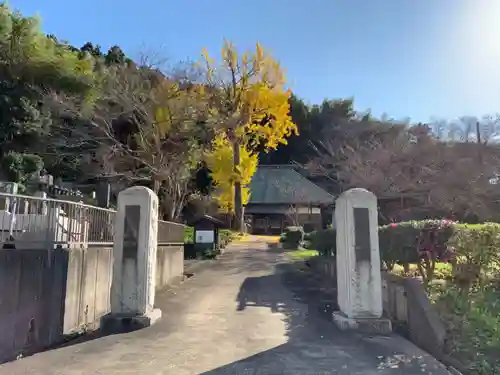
[245,314]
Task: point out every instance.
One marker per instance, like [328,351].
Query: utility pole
[478,133]
[479,145]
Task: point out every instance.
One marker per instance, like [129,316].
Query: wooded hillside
[83,113]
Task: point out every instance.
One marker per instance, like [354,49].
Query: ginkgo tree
[249,108]
[220,161]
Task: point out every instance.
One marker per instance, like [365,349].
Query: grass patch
[302,254]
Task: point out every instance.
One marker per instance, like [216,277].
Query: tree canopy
[198,131]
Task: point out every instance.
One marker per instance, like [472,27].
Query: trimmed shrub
[472,248]
[308,236]
[407,242]
[423,243]
[324,241]
[292,237]
[468,302]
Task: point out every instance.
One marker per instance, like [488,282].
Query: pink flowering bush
[423,243]
[468,303]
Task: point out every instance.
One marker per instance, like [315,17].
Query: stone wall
[326,268]
[47,295]
[31,299]
[87,287]
[407,305]
[169,264]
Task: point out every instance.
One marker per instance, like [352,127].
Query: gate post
[134,262]
[359,285]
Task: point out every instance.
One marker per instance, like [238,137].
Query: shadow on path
[250,312]
[314,345]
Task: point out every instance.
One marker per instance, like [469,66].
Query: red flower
[394,225]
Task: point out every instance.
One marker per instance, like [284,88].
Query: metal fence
[33,222]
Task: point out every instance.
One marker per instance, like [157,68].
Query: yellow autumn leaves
[270,120]
[243,100]
[251,98]
[220,162]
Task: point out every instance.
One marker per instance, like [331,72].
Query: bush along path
[459,265]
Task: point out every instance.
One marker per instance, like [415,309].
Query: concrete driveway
[247,313]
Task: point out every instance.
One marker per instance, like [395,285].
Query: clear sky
[407,58]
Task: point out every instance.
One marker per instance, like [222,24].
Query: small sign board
[205,236]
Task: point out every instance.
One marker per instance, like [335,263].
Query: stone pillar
[134,261]
[359,284]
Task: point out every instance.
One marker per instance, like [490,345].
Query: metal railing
[170,233]
[32,222]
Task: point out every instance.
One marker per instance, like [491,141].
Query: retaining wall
[47,295]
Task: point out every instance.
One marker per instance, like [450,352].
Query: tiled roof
[284,185]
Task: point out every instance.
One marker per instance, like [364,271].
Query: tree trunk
[238,199]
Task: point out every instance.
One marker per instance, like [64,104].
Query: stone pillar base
[374,326]
[120,323]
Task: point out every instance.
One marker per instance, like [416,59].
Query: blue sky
[407,58]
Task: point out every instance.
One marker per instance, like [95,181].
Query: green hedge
[468,257]
[443,240]
[409,242]
[225,237]
[422,244]
[324,241]
[292,237]
[473,248]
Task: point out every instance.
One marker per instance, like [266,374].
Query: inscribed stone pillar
[359,285]
[134,260]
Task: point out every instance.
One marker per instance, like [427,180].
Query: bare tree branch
[440,177]
[142,127]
